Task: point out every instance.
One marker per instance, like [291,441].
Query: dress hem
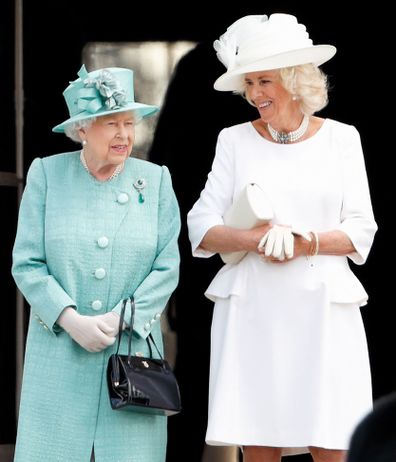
[286,451]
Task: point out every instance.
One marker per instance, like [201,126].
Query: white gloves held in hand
[93,333]
[278,242]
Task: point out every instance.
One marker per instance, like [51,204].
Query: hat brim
[316,54]
[143,110]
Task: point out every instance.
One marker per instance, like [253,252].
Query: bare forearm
[330,243]
[225,239]
[335,243]
[324,243]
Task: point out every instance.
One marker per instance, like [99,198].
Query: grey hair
[306,82]
[72,130]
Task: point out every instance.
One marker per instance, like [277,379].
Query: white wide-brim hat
[258,43]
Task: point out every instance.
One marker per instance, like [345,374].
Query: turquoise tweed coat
[90,244]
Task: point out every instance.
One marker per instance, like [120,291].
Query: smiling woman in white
[289,362]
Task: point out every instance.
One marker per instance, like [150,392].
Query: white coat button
[100,273]
[157,316]
[147,326]
[96,305]
[122,198]
[103,242]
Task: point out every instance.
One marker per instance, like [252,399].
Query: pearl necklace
[283,137]
[113,175]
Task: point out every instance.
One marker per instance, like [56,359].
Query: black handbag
[140,384]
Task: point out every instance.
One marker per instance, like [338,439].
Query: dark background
[361,91]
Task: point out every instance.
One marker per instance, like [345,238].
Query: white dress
[289,360]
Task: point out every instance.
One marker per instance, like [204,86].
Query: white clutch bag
[252,208]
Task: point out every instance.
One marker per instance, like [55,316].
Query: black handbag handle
[120,331]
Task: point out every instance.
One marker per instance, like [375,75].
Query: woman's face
[110,138]
[265,91]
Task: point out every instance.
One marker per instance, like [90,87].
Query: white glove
[278,242]
[91,332]
[112,319]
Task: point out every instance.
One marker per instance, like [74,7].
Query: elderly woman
[289,361]
[95,226]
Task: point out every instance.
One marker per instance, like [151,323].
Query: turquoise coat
[70,226]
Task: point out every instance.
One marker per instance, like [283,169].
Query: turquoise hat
[102,92]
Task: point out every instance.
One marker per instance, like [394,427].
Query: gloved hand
[278,242]
[112,319]
[91,332]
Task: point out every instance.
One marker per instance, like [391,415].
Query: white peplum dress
[289,360]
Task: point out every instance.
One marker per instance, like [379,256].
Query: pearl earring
[84,142]
[294,97]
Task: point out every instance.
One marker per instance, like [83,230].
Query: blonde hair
[306,82]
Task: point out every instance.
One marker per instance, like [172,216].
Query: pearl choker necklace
[283,138]
[113,175]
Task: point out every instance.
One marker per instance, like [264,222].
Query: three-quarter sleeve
[357,218]
[215,198]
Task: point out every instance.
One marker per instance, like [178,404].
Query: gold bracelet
[316,250]
[314,244]
[311,245]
